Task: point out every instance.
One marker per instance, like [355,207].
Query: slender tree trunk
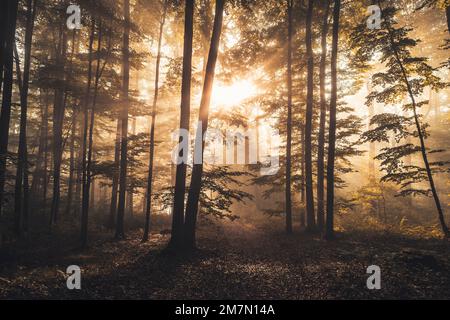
[289,122]
[21,204]
[323,115]
[310,217]
[120,232]
[38,172]
[332,127]
[197,171]
[302,174]
[79,165]
[85,169]
[3,27]
[205,11]
[115,178]
[91,150]
[45,177]
[58,123]
[180,180]
[372,151]
[93,182]
[5,116]
[148,196]
[130,189]
[71,163]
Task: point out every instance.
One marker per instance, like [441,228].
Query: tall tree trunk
[89,193]
[5,116]
[3,28]
[85,170]
[148,195]
[71,163]
[205,11]
[58,123]
[310,217]
[197,171]
[21,204]
[115,178]
[323,115]
[302,174]
[130,190]
[37,174]
[289,122]
[79,165]
[120,232]
[45,177]
[372,151]
[332,127]
[176,240]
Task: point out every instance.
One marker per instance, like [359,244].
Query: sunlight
[233,95]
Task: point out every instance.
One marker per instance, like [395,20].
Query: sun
[227,96]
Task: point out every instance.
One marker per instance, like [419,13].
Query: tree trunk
[21,204]
[289,122]
[3,27]
[332,127]
[130,192]
[45,178]
[71,163]
[115,178]
[323,115]
[79,164]
[197,171]
[176,240]
[85,169]
[58,122]
[310,217]
[372,150]
[5,117]
[38,171]
[148,196]
[120,232]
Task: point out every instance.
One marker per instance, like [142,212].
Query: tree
[120,232]
[405,75]
[85,171]
[3,26]
[332,126]
[289,122]
[5,116]
[322,122]
[148,196]
[115,177]
[197,170]
[176,240]
[310,217]
[59,108]
[21,205]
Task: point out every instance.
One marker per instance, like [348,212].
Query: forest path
[239,261]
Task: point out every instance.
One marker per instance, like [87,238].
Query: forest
[224,149]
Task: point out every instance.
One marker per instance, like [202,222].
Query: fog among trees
[164,144]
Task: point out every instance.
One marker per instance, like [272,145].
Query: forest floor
[234,261]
